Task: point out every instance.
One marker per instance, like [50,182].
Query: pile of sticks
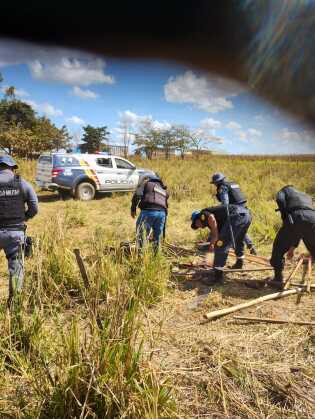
[298,289]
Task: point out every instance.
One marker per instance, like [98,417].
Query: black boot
[218,276]
[238,264]
[216,279]
[277,280]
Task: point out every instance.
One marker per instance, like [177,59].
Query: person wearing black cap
[151,197]
[18,203]
[216,219]
[298,217]
[231,193]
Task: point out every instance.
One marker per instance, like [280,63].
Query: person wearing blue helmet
[217,220]
[151,197]
[18,203]
[231,193]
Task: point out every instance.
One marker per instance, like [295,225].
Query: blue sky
[76,88]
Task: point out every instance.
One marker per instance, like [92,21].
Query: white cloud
[243,136]
[84,93]
[254,132]
[71,71]
[45,108]
[55,64]
[18,92]
[210,124]
[304,136]
[234,126]
[75,120]
[206,93]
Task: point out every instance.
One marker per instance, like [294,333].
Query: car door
[106,173]
[127,174]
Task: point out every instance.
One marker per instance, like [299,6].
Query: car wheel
[85,191]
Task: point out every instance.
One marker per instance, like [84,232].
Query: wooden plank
[220,313]
[277,321]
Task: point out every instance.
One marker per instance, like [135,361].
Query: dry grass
[152,358]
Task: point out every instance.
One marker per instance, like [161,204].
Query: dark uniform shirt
[30,197]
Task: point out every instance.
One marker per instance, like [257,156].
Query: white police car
[84,174]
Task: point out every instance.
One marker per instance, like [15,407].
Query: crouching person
[18,203]
[151,197]
[298,222]
[226,227]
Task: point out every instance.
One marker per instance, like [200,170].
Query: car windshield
[65,161]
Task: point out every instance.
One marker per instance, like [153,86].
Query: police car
[84,174]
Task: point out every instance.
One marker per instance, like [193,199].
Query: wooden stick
[247,270]
[252,257]
[280,321]
[293,272]
[82,268]
[219,313]
[293,284]
[309,274]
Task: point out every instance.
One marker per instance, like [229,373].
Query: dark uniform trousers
[240,221]
[289,235]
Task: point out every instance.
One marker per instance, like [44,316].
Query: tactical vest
[289,199]
[154,194]
[12,208]
[236,196]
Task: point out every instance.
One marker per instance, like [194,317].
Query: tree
[182,138]
[167,141]
[95,139]
[126,136]
[14,111]
[147,139]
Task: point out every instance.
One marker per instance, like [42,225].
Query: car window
[44,159]
[104,162]
[122,164]
[65,161]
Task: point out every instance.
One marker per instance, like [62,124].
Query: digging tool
[230,227]
[309,274]
[293,272]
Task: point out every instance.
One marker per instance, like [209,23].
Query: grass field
[131,345]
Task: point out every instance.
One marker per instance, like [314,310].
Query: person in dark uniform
[298,216]
[151,197]
[231,193]
[18,203]
[217,220]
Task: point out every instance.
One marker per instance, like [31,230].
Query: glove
[133,214]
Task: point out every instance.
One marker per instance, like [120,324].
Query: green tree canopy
[94,139]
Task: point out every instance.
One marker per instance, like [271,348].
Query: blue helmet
[217,177]
[7,160]
[194,216]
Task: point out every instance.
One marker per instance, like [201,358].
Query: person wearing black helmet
[231,193]
[216,219]
[298,217]
[18,203]
[151,197]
